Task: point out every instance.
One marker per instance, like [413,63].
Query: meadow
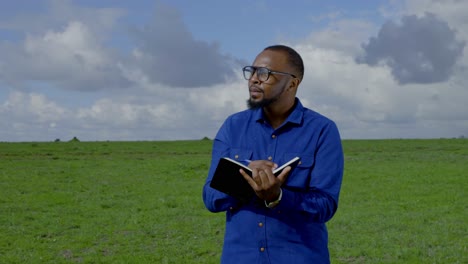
[402,201]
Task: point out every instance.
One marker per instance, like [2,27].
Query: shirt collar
[295,117]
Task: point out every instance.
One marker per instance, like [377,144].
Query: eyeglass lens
[262,73]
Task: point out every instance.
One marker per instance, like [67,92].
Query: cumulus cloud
[333,79]
[365,100]
[34,106]
[418,50]
[59,12]
[344,35]
[366,103]
[64,48]
[161,112]
[72,59]
[168,53]
[29,116]
[68,49]
[76,58]
[79,59]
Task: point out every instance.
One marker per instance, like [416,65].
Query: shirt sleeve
[216,201]
[320,200]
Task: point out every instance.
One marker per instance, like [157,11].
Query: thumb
[284,174]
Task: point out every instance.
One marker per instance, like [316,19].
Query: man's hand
[265,184]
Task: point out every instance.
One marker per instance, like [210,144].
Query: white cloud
[69,59]
[364,100]
[417,49]
[29,117]
[72,51]
[172,56]
[453,11]
[156,113]
[66,48]
[59,12]
[32,106]
[343,35]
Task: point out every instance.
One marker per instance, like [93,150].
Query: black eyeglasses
[263,73]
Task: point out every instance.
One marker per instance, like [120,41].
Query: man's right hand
[265,184]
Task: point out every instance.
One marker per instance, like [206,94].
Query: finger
[269,177]
[256,177]
[260,177]
[284,174]
[262,165]
[249,179]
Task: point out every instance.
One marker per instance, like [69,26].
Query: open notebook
[228,179]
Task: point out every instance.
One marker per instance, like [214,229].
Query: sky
[172,70]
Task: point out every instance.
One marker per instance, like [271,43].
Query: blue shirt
[294,231]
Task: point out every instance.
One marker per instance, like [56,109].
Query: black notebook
[228,179]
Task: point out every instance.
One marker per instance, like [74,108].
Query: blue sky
[169,70]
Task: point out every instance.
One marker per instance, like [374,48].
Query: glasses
[262,73]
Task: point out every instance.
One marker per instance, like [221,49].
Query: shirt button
[270,158]
[262,249]
[260,224]
[236,156]
[273,136]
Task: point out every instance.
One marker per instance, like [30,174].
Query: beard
[252,105]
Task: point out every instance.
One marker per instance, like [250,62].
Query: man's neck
[277,114]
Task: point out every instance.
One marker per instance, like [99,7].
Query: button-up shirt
[294,231]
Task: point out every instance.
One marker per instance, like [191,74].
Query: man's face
[265,93]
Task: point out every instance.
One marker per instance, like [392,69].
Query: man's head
[274,77]
[294,59]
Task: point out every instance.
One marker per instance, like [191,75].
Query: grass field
[402,201]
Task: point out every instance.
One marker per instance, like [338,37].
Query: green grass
[402,201]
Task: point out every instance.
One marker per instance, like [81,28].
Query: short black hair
[294,58]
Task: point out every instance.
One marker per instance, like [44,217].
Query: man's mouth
[255,92]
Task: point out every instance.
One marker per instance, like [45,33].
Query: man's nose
[254,78]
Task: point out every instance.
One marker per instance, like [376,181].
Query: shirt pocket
[299,177]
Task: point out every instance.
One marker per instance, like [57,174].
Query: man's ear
[294,83]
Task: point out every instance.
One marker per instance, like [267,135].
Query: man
[285,222]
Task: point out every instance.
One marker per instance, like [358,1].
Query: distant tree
[74,139]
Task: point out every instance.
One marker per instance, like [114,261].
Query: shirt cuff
[276,202]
